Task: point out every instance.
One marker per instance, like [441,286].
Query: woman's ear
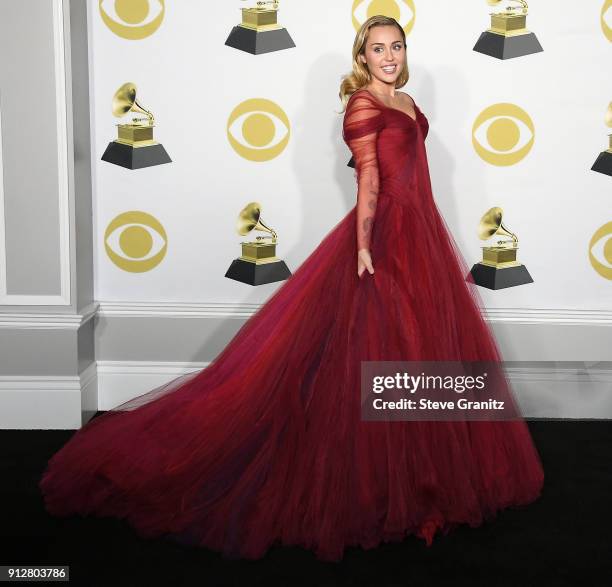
[362,58]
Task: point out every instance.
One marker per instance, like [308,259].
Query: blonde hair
[361,76]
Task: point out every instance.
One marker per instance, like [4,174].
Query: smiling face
[384,53]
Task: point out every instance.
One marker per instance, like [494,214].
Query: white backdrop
[192,82]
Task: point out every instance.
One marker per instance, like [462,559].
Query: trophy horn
[491,224]
[124,101]
[523,4]
[249,219]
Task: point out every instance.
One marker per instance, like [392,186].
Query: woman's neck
[382,89]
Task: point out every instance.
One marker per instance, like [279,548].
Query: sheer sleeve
[362,121]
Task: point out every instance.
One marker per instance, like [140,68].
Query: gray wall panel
[38,352]
[82,153]
[164,338]
[86,344]
[193,338]
[30,148]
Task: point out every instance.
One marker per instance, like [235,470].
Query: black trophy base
[603,163]
[502,47]
[135,157]
[253,274]
[499,278]
[258,42]
[351,163]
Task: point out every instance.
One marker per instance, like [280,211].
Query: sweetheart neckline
[416,108]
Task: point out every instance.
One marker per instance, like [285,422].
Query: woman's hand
[364,261]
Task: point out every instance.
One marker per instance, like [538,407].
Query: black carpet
[562,539]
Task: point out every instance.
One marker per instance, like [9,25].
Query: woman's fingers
[364,261]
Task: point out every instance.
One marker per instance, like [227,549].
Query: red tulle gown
[266,445]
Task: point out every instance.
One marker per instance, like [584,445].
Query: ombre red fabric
[266,446]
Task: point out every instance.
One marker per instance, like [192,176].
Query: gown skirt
[266,446]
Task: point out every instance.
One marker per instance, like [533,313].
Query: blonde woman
[268,445]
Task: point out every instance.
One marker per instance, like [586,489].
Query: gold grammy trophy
[134,146]
[604,161]
[259,31]
[499,268]
[508,36]
[258,263]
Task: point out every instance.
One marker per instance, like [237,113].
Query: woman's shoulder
[407,98]
[362,95]
[362,101]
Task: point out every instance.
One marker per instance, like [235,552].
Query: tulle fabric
[266,446]
[362,122]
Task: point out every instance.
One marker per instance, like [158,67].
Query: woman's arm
[362,122]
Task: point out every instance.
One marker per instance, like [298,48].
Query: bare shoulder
[407,99]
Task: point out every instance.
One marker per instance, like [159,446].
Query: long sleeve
[362,122]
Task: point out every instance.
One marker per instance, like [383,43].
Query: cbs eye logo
[132,19]
[258,129]
[600,251]
[503,134]
[138,236]
[606,19]
[401,10]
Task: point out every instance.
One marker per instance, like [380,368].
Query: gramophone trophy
[604,161]
[258,263]
[259,31]
[508,37]
[499,268]
[134,147]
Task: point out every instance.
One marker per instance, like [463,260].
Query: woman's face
[384,53]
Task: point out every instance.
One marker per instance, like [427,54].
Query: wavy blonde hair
[361,76]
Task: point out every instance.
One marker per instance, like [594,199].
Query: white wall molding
[62,73]
[549,316]
[48,320]
[178,310]
[245,310]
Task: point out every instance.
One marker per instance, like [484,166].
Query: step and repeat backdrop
[241,125]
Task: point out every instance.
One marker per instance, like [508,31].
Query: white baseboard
[541,392]
[120,381]
[48,402]
[68,402]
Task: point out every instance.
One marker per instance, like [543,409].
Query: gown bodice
[390,158]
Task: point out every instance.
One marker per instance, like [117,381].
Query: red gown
[266,445]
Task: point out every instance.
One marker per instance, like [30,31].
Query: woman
[266,445]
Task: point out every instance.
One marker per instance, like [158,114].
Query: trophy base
[258,42]
[258,274]
[502,47]
[499,278]
[351,163]
[132,157]
[603,163]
